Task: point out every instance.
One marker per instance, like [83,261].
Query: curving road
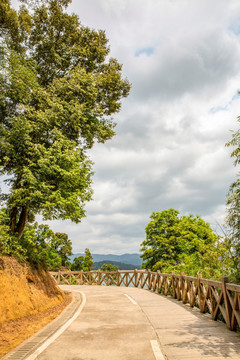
[135,324]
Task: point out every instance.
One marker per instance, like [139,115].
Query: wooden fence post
[227,303]
[174,285]
[179,288]
[118,278]
[199,276]
[191,293]
[158,280]
[81,277]
[149,279]
[183,288]
[58,277]
[154,281]
[135,277]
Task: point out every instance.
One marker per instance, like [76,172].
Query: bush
[9,245]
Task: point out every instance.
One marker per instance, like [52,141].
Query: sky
[182,58]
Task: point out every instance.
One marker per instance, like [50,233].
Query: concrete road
[110,326]
[130,323]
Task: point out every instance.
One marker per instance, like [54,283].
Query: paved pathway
[118,323]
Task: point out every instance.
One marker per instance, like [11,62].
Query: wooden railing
[219,298]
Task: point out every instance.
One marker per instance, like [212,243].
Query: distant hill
[121,266]
[133,259]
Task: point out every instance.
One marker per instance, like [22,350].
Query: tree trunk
[14,210]
[13,218]
[22,222]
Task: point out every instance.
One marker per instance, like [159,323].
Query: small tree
[84,263]
[109,267]
[63,246]
[88,261]
[45,248]
[77,263]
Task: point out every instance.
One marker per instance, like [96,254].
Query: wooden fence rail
[219,298]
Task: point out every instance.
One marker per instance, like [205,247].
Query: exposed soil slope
[29,299]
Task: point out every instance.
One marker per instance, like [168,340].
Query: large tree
[233,208]
[58,90]
[181,243]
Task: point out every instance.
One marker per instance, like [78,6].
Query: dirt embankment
[29,299]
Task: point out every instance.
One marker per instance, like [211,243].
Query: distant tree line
[117,264]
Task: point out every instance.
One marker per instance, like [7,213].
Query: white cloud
[182,58]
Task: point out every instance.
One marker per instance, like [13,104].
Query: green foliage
[233,210]
[84,263]
[9,244]
[45,248]
[39,245]
[77,263]
[58,90]
[109,267]
[88,261]
[63,246]
[121,266]
[182,244]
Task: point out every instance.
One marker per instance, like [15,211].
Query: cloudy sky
[183,60]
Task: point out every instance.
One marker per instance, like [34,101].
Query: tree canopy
[58,91]
[109,267]
[84,263]
[233,208]
[181,243]
[44,248]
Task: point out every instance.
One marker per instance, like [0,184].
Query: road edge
[29,349]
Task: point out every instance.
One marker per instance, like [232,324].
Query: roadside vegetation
[58,91]
[29,299]
[182,243]
[186,244]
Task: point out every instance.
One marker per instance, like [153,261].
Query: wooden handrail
[219,298]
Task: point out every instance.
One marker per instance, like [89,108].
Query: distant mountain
[97,265]
[133,259]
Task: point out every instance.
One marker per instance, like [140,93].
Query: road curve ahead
[118,323]
[110,326]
